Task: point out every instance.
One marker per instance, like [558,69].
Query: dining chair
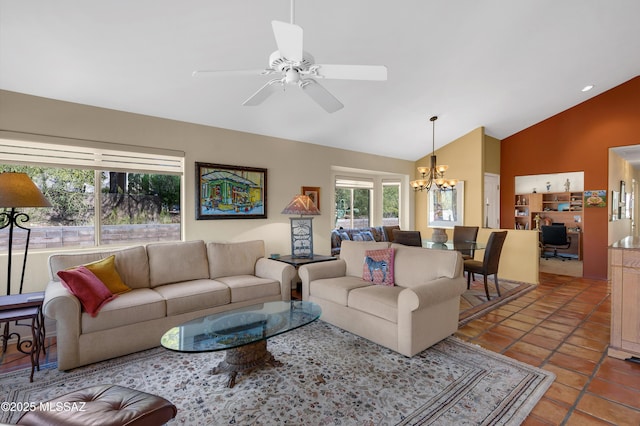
[407,238]
[465,234]
[489,264]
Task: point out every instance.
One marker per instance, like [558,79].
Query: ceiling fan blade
[289,40]
[350,72]
[198,73]
[322,97]
[263,93]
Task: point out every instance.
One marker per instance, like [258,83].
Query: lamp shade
[18,190]
[302,205]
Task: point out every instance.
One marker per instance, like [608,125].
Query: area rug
[474,303]
[328,377]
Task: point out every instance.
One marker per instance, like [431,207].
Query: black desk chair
[465,234]
[489,265]
[554,237]
[408,238]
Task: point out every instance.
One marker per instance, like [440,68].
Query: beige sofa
[171,283]
[419,311]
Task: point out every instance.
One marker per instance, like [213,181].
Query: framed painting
[312,192]
[595,198]
[446,208]
[230,192]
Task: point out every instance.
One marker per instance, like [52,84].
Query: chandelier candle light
[301,227]
[435,173]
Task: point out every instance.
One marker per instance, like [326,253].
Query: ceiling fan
[294,66]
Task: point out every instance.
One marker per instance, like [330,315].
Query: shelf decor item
[230,192]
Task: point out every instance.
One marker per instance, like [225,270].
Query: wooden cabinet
[625,298]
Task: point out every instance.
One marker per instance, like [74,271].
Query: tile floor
[561,326]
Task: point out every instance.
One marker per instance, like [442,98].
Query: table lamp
[301,227]
[18,190]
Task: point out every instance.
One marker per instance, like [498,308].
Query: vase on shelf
[439,235]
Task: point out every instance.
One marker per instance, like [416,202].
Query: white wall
[290,165]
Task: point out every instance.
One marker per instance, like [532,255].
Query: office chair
[489,264]
[554,237]
[408,238]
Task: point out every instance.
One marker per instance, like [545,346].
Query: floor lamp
[18,190]
[301,227]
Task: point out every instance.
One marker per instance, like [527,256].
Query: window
[138,198]
[353,203]
[390,203]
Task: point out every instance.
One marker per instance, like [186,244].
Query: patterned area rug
[474,304]
[328,377]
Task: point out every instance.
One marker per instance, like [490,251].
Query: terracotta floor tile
[494,339]
[626,367]
[573,363]
[567,377]
[584,342]
[508,331]
[615,392]
[519,325]
[580,352]
[612,412]
[530,349]
[562,394]
[526,318]
[579,418]
[605,372]
[524,357]
[550,411]
[542,341]
[551,334]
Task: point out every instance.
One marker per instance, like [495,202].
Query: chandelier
[435,173]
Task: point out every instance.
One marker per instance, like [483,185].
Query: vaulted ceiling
[505,65]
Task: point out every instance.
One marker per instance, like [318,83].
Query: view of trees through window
[136,207]
[353,207]
[391,204]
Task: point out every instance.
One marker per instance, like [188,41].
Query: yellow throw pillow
[106,272]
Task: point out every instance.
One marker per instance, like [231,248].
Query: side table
[27,306]
[297,262]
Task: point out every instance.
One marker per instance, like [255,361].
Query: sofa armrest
[278,271]
[62,306]
[431,293]
[318,271]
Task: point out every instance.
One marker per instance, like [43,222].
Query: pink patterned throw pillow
[378,267]
[83,284]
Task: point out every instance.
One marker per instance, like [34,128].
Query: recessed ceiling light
[587,88]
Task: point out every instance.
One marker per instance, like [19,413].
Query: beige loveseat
[419,311]
[171,283]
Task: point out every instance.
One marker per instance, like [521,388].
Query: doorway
[491,201]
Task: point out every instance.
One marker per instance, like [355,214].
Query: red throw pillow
[378,266]
[83,284]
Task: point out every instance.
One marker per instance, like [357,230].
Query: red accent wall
[577,139]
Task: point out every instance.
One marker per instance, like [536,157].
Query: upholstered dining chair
[462,234]
[408,238]
[489,264]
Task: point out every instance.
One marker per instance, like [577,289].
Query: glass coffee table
[242,333]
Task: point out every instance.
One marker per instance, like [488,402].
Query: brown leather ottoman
[104,405]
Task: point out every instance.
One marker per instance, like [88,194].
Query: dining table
[450,245]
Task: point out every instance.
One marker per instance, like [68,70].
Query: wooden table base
[244,359]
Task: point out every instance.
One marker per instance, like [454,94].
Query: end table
[297,262]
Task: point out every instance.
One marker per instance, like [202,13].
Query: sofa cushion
[82,283]
[336,290]
[378,266]
[106,272]
[381,301]
[132,264]
[194,295]
[135,306]
[248,287]
[177,262]
[416,265]
[353,253]
[229,259]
